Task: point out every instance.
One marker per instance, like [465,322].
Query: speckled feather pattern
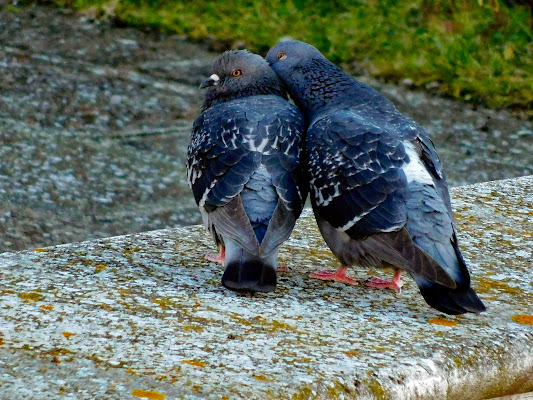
[230,141]
[376,181]
[244,166]
[356,176]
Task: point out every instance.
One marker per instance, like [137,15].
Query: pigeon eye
[282,55]
[236,72]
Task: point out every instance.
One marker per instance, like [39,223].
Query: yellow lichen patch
[46,307]
[196,388]
[30,296]
[322,255]
[351,353]
[377,389]
[525,319]
[164,303]
[262,378]
[471,219]
[58,352]
[484,285]
[276,325]
[129,250]
[106,307]
[41,250]
[99,268]
[131,372]
[192,327]
[86,262]
[196,363]
[273,325]
[68,334]
[148,394]
[443,321]
[1,341]
[239,319]
[381,349]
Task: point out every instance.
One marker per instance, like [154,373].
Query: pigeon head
[292,55]
[313,82]
[238,74]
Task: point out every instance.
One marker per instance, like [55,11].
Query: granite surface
[145,316]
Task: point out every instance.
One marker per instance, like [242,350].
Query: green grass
[477,50]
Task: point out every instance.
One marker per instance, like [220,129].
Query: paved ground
[95,119]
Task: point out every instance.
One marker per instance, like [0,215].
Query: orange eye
[282,55]
[236,72]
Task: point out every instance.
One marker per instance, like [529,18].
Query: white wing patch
[260,147]
[415,170]
[356,219]
[201,203]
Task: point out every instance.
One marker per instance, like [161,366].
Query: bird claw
[396,283]
[217,258]
[283,268]
[337,276]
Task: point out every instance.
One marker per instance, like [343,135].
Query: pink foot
[283,268]
[396,283]
[217,259]
[337,276]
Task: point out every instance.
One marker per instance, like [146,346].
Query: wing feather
[230,143]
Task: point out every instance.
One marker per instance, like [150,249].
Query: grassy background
[476,50]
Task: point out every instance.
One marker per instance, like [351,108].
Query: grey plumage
[377,186]
[244,168]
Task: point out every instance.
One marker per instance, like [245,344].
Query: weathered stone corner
[145,316]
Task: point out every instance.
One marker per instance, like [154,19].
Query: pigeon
[244,168]
[377,187]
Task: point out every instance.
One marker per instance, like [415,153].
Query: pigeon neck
[328,87]
[213,98]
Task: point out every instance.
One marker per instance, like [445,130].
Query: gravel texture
[95,120]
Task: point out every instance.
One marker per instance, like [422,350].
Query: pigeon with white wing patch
[377,188]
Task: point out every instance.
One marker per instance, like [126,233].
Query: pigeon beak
[211,81]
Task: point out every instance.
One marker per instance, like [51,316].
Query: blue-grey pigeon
[243,166]
[377,187]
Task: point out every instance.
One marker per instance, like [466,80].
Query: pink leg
[337,276]
[396,283]
[217,259]
[283,268]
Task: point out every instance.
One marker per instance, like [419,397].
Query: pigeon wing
[430,219]
[356,180]
[430,158]
[285,133]
[219,164]
[359,187]
[430,224]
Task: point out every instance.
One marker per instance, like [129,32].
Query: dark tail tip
[452,301]
[250,276]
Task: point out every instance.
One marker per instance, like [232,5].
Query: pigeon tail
[450,301]
[247,272]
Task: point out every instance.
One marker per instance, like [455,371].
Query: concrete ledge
[145,316]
